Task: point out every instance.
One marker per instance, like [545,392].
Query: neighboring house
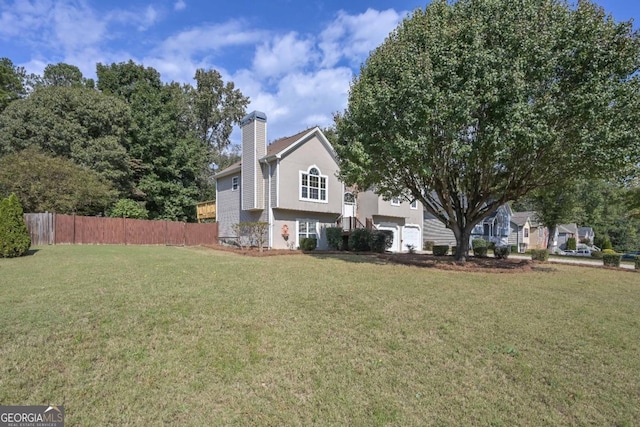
[495,228]
[586,233]
[520,235]
[539,233]
[563,233]
[292,185]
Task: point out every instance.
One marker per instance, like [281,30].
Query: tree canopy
[75,122]
[54,184]
[11,82]
[469,105]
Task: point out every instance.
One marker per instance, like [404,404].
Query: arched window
[313,185]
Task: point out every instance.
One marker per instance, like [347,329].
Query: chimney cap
[255,115]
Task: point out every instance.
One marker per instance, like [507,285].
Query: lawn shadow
[31,252]
[353,257]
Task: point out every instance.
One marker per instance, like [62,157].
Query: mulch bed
[485,265]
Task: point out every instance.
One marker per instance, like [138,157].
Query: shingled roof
[276,147]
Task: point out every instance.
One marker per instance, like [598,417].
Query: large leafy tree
[60,74]
[167,156]
[216,106]
[54,184]
[74,122]
[469,105]
[11,82]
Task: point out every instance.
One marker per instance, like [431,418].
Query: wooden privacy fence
[52,229]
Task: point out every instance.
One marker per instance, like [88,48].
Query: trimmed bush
[572,244]
[360,240]
[334,238]
[440,250]
[513,249]
[596,254]
[428,245]
[480,248]
[539,255]
[502,252]
[608,251]
[606,244]
[492,246]
[611,260]
[14,236]
[308,243]
[381,240]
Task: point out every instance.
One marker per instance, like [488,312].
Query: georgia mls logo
[31,416]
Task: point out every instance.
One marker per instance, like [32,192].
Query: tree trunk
[462,243]
[552,234]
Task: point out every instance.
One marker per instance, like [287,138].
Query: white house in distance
[292,185]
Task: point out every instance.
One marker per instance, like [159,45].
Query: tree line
[69,144]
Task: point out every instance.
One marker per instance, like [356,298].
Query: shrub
[513,249]
[539,255]
[611,260]
[596,254]
[251,233]
[480,248]
[381,240]
[14,236]
[334,238]
[606,244]
[492,246]
[308,243]
[608,251]
[127,208]
[360,240]
[440,250]
[502,252]
[428,245]
[571,244]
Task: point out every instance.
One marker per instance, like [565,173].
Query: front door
[349,205]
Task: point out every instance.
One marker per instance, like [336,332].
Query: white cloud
[352,37]
[179,5]
[282,54]
[211,37]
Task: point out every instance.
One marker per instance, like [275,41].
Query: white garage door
[411,236]
[395,246]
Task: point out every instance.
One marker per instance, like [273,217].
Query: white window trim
[298,221]
[235,182]
[414,204]
[320,176]
[395,201]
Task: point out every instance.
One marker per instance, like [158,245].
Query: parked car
[631,255]
[586,252]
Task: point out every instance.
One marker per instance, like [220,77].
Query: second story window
[234,183]
[313,185]
[395,201]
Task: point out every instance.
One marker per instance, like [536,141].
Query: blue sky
[294,59]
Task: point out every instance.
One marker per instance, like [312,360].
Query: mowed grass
[124,335]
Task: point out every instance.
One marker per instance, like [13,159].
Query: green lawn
[181,336]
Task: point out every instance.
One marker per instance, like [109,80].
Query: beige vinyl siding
[227,205]
[311,153]
[253,148]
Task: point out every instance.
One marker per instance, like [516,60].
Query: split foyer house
[292,185]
